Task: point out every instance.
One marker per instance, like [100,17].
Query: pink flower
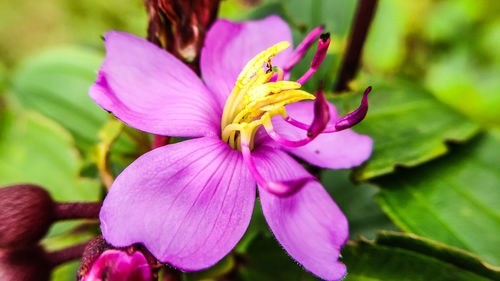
[189,203]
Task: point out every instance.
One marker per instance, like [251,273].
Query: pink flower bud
[102,262]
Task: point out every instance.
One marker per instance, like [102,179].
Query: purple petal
[117,265]
[189,203]
[229,46]
[340,150]
[308,224]
[151,90]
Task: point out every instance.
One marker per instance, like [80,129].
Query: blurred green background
[434,115]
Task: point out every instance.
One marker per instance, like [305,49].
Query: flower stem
[77,210]
[351,61]
[59,257]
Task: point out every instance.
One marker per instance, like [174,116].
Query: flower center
[254,99]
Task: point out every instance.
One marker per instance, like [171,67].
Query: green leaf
[400,257]
[65,272]
[266,260]
[454,199]
[385,45]
[459,81]
[223,267]
[34,149]
[408,126]
[356,202]
[56,83]
[335,15]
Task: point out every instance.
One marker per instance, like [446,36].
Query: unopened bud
[24,265]
[102,262]
[179,26]
[26,213]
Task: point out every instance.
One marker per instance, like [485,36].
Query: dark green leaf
[408,126]
[399,257]
[454,199]
[356,202]
[266,260]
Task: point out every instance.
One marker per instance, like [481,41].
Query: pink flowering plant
[213,147]
[189,203]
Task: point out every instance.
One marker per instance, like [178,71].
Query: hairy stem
[77,210]
[351,61]
[59,257]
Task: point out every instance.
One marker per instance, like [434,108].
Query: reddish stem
[77,210]
[59,257]
[350,63]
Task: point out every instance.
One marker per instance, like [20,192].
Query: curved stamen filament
[280,188]
[226,132]
[320,54]
[343,123]
[268,126]
[302,48]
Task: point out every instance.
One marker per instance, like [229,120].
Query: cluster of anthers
[261,93]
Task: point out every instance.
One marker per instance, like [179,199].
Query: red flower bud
[26,213]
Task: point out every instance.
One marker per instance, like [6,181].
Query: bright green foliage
[38,150]
[468,87]
[56,83]
[454,199]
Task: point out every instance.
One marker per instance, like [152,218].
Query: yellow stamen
[255,99]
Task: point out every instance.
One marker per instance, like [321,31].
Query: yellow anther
[255,100]
[258,61]
[280,100]
[271,87]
